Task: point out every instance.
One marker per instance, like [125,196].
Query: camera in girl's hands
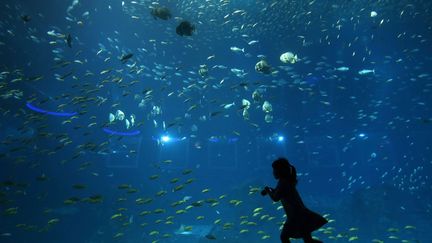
[265,191]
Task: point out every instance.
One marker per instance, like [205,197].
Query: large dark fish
[126,57]
[25,18]
[161,12]
[69,40]
[185,28]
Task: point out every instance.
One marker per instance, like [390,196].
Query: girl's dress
[300,220]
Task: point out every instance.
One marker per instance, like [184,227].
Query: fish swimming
[198,231]
[25,18]
[342,69]
[161,12]
[126,57]
[237,49]
[288,57]
[185,28]
[111,117]
[238,72]
[252,42]
[69,40]
[366,71]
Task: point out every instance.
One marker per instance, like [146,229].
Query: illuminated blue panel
[34,108]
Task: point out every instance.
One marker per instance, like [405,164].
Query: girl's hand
[265,191]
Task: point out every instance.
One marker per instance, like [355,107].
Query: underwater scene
[216,121]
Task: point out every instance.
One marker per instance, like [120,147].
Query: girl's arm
[274,194]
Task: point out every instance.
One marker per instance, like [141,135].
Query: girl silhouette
[301,221]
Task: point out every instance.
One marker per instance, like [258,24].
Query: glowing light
[363,136]
[276,138]
[34,108]
[165,139]
[112,132]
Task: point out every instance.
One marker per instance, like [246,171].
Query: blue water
[360,143]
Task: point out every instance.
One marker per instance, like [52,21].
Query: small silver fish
[366,71]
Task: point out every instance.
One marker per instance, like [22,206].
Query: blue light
[34,108]
[363,136]
[276,138]
[165,139]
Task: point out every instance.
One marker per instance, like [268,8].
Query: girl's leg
[308,239]
[284,234]
[285,239]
